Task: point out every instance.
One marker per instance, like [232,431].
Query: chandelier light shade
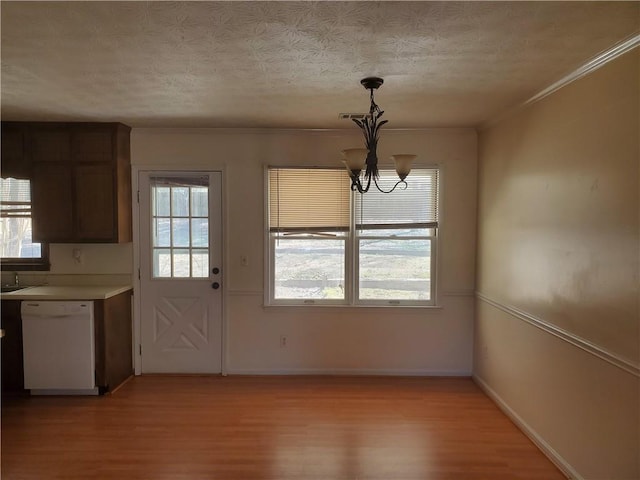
[359,159]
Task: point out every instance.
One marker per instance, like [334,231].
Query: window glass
[180,227]
[329,244]
[17,247]
[309,268]
[394,269]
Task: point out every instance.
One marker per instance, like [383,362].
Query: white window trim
[351,266]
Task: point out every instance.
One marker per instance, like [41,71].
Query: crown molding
[595,63]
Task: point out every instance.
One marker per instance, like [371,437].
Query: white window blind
[302,199]
[15,197]
[414,207]
[182,181]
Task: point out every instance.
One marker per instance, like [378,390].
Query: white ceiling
[293,64]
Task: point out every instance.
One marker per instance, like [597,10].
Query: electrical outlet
[283,341]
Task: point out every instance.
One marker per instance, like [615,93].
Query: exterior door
[180,272]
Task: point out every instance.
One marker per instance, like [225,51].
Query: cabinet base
[62,391]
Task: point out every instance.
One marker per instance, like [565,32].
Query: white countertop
[71,292]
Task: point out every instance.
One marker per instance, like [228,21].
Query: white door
[180,272]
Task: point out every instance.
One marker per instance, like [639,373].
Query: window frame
[351,258]
[395,302]
[40,263]
[272,239]
[174,181]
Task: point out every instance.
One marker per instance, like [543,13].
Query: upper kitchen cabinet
[81,182]
[15,162]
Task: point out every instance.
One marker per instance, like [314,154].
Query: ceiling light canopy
[356,158]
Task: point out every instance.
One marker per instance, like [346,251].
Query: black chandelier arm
[403,184]
[356,186]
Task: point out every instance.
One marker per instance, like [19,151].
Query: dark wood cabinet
[113,343]
[95,202]
[15,162]
[11,348]
[81,178]
[49,143]
[52,201]
[113,330]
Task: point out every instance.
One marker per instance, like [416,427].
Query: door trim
[136,170]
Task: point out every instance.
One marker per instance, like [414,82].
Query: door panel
[180,247]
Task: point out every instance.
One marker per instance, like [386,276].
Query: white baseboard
[351,372]
[549,452]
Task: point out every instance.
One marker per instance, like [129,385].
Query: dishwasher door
[58,347]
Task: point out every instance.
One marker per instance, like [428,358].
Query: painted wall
[98,264]
[557,338]
[331,339]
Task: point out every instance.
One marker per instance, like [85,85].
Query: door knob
[215,285]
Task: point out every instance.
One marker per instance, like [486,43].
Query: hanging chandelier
[357,158]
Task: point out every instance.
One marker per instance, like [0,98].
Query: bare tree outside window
[15,221]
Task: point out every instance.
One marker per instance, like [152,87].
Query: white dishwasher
[58,347]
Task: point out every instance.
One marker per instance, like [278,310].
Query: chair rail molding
[577,341]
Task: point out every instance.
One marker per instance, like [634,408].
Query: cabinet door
[95,203]
[92,144]
[50,143]
[52,203]
[15,162]
[113,330]
[12,367]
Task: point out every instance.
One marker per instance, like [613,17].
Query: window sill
[348,306]
[22,266]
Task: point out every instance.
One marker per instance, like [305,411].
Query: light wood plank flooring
[246,428]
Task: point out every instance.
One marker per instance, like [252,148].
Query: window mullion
[171,247]
[352,259]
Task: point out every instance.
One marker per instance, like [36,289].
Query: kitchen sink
[11,288]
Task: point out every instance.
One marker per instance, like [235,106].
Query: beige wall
[100,264]
[331,339]
[557,328]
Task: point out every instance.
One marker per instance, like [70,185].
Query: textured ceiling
[292,64]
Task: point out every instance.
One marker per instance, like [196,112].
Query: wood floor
[246,428]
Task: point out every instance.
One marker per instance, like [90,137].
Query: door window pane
[181,263]
[200,263]
[180,201]
[180,228]
[199,202]
[162,263]
[161,232]
[161,204]
[200,232]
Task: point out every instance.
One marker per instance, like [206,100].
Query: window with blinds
[303,199]
[17,248]
[413,207]
[328,244]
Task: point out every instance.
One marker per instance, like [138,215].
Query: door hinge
[138,274]
[140,348]
[138,194]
